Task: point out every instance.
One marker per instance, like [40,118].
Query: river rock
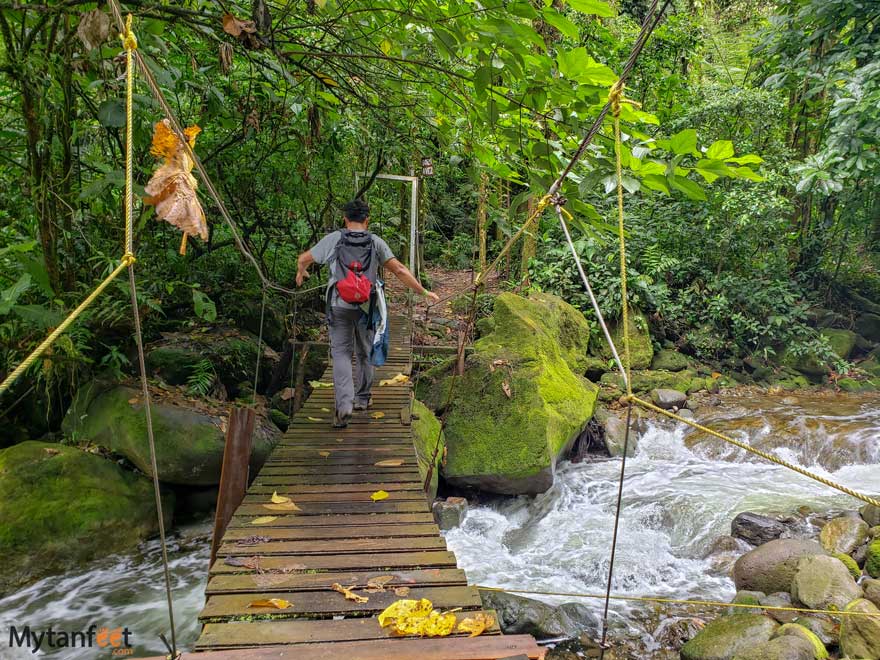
[668,399]
[826,630]
[669,360]
[450,513]
[62,507]
[641,348]
[746,597]
[673,633]
[870,514]
[615,435]
[526,616]
[797,630]
[842,341]
[522,401]
[755,528]
[872,561]
[770,567]
[727,636]
[822,582]
[430,443]
[868,326]
[779,599]
[190,436]
[843,534]
[787,647]
[871,587]
[860,635]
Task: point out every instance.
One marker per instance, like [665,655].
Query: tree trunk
[482,218]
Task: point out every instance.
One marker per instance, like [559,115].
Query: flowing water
[680,493]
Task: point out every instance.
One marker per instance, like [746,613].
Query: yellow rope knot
[617,99]
[129,41]
[128,259]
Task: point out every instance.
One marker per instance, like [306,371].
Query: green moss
[173,364]
[426,433]
[647,380]
[850,564]
[61,506]
[641,349]
[842,341]
[797,630]
[669,360]
[872,564]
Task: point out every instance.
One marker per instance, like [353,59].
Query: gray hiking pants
[349,336]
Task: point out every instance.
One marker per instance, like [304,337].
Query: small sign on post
[427,167]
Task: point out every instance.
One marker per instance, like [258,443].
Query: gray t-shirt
[324,252]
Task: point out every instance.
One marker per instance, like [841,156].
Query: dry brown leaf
[505,387]
[284,506]
[225,58]
[235,26]
[243,562]
[93,28]
[391,462]
[401,592]
[133,400]
[264,520]
[291,568]
[348,593]
[377,584]
[477,624]
[265,580]
[277,603]
[287,393]
[253,540]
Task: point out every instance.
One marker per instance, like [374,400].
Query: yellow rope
[676,601]
[129,41]
[39,350]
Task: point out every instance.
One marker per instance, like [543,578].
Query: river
[680,494]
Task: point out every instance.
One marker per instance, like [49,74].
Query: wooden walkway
[342,536]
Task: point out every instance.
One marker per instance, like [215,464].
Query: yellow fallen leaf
[263,520]
[283,506]
[716,375]
[277,603]
[378,415]
[339,440]
[391,462]
[377,584]
[477,624]
[314,419]
[318,385]
[379,495]
[403,608]
[417,617]
[279,499]
[325,454]
[325,409]
[399,379]
[348,593]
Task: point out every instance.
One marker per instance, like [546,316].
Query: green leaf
[482,80]
[111,113]
[747,173]
[40,316]
[712,169]
[578,66]
[386,46]
[204,307]
[562,23]
[748,159]
[720,150]
[691,189]
[10,296]
[596,7]
[684,142]
[655,182]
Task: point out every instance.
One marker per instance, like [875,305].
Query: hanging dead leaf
[378,415]
[377,584]
[287,393]
[401,592]
[477,624]
[277,603]
[283,506]
[266,580]
[348,593]
[225,58]
[243,562]
[172,188]
[263,520]
[325,454]
[505,387]
[93,29]
[279,499]
[379,495]
[235,26]
[391,462]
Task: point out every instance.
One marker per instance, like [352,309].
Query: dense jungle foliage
[750,166]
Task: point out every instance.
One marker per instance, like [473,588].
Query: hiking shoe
[360,405]
[340,422]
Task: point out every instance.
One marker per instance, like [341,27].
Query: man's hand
[432,297]
[302,266]
[301,276]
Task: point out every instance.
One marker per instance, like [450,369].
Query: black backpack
[357,265]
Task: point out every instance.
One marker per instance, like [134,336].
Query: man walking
[353,255]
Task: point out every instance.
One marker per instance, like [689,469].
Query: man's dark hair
[357,210]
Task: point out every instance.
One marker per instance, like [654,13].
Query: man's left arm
[302,266]
[403,273]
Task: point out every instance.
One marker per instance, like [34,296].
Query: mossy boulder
[787,647]
[823,582]
[61,507]
[190,436]
[872,563]
[426,434]
[868,326]
[843,534]
[771,567]
[521,401]
[645,380]
[726,636]
[859,634]
[669,360]
[173,364]
[641,348]
[842,341]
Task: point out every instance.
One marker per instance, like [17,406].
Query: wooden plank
[328,603]
[271,479]
[389,561]
[259,633]
[393,496]
[329,467]
[324,508]
[333,547]
[336,520]
[368,488]
[225,584]
[327,532]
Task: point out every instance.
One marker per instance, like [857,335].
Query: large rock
[870,514]
[641,349]
[525,616]
[726,636]
[860,635]
[430,443]
[823,582]
[842,341]
[522,400]
[756,529]
[871,587]
[872,561]
[868,326]
[669,360]
[687,381]
[668,399]
[189,439]
[449,513]
[843,534]
[61,507]
[770,567]
[787,647]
